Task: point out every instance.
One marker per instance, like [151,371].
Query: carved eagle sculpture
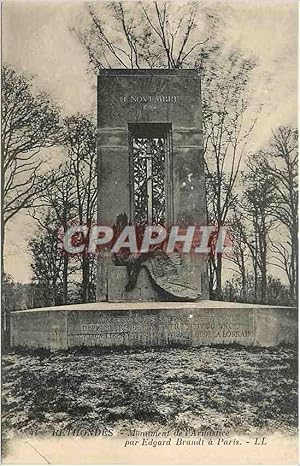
[161,267]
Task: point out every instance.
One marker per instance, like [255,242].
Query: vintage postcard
[149,162]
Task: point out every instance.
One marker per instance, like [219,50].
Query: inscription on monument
[159,328]
[192,327]
[143,99]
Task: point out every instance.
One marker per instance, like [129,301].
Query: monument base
[153,324]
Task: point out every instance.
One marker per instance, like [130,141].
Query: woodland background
[255,193]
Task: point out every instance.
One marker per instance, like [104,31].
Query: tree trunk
[264,282]
[65,279]
[211,262]
[219,276]
[255,272]
[85,279]
[244,283]
[5,317]
[294,266]
[54,296]
[263,255]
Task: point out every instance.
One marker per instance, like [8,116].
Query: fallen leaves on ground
[221,388]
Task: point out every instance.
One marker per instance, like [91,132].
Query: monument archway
[150,148]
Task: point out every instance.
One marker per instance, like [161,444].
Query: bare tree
[30,123]
[80,142]
[258,207]
[69,194]
[227,127]
[240,250]
[157,34]
[281,165]
[58,198]
[147,35]
[265,221]
[47,265]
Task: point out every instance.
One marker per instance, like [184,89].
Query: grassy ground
[241,390]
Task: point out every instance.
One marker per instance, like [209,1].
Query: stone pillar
[170,97]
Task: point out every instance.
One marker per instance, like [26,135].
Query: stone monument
[151,172]
[151,168]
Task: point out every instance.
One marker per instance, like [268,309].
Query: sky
[38,37]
